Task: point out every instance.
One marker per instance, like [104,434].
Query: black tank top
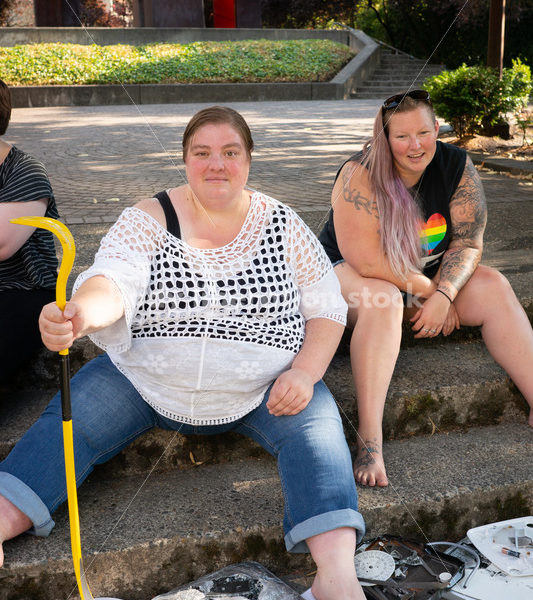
[433,192]
[173,225]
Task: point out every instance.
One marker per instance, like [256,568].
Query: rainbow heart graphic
[432,232]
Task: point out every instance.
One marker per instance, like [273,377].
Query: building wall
[168,13]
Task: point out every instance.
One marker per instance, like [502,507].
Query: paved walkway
[102,159]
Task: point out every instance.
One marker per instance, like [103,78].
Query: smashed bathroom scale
[496,573]
[391,568]
[243,581]
[507,544]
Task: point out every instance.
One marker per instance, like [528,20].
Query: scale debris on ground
[494,562]
[243,581]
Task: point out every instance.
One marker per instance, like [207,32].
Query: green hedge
[472,99]
[246,61]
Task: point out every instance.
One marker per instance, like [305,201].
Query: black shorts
[19,318]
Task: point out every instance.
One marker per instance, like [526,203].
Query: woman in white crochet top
[218,311]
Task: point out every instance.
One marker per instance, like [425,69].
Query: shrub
[472,99]
[246,61]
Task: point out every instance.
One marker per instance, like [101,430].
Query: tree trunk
[496,35]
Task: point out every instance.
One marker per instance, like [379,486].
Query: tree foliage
[307,13]
[449,31]
[455,31]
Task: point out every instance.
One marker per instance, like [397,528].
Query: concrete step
[28,393]
[394,75]
[396,72]
[391,87]
[404,60]
[391,55]
[385,90]
[440,387]
[407,80]
[398,78]
[142,537]
[370,91]
[396,58]
[435,387]
[406,67]
[159,449]
[408,64]
[503,250]
[371,95]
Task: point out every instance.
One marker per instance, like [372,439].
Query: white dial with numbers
[374,564]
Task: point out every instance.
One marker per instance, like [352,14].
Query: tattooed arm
[357,228]
[361,199]
[468,213]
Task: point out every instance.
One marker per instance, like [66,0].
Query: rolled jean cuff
[347,517]
[26,500]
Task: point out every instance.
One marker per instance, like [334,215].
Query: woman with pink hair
[405,234]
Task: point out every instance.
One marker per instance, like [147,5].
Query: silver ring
[424,329]
[432,331]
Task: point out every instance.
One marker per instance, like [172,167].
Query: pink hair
[398,213]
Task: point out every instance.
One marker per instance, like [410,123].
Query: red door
[224,13]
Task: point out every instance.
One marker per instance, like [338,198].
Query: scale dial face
[374,564]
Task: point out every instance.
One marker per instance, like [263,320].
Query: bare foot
[369,468]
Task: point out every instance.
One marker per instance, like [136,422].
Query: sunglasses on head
[397,99]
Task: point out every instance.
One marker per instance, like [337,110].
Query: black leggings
[19,329]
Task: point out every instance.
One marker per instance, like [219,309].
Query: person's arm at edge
[13,236]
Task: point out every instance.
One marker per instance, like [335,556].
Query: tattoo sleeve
[354,196]
[468,212]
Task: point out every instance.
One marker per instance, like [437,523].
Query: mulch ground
[516,147]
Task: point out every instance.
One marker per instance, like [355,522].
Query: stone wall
[137,36]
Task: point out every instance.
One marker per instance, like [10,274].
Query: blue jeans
[108,413]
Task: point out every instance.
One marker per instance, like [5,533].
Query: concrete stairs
[397,72]
[171,508]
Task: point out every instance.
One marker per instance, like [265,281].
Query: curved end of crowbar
[69,252]
[62,232]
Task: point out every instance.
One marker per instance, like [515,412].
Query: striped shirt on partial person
[34,265]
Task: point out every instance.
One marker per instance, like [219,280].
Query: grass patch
[198,62]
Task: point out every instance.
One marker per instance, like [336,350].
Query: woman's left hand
[452,321]
[291,392]
[431,318]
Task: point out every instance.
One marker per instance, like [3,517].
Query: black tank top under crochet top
[433,192]
[173,225]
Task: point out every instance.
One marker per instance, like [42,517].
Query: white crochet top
[206,331]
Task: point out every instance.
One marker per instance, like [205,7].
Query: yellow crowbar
[69,252]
